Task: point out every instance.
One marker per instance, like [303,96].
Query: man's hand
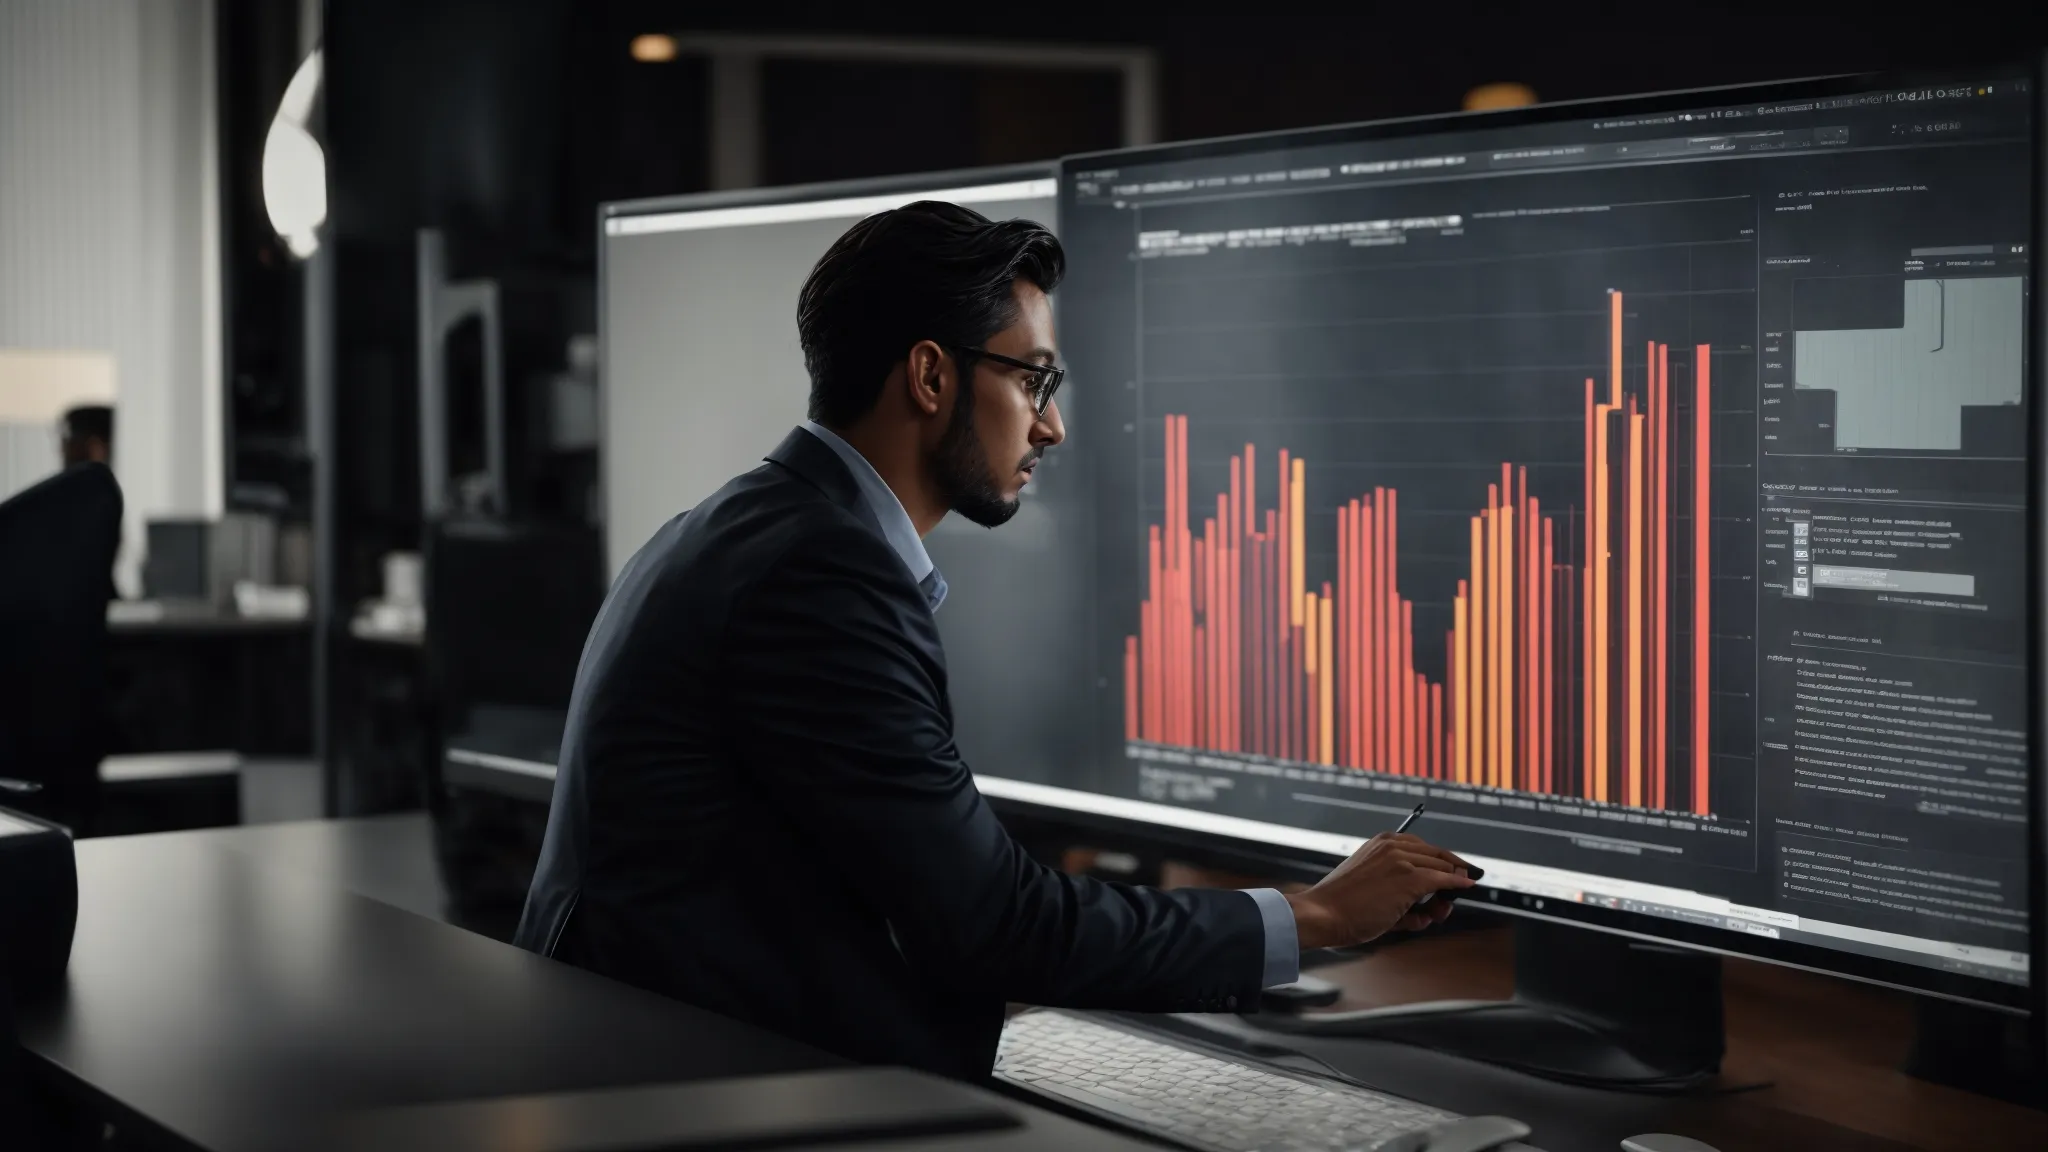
[1373,892]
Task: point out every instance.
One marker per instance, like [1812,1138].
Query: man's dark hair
[925,271]
[90,421]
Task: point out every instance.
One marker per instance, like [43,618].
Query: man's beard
[965,478]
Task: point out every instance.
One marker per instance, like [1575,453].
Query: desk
[1829,1048]
[223,1001]
[509,760]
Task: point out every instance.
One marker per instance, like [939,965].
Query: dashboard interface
[1647,493]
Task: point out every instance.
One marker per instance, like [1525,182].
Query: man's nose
[1048,430]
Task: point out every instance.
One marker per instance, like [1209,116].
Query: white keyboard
[1201,1100]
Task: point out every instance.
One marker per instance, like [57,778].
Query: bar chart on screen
[1569,665]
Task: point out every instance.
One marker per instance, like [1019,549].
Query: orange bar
[1297,566]
[1581,681]
[1312,745]
[1130,687]
[1635,606]
[1326,626]
[1461,744]
[1702,572]
[1475,665]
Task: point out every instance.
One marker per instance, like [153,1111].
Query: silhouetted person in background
[88,435]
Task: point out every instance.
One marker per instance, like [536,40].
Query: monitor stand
[1588,1008]
[1976,1049]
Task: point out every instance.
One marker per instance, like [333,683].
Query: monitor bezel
[1291,863]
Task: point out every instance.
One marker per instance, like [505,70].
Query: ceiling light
[1506,95]
[294,168]
[654,48]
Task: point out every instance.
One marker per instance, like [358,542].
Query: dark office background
[505,123]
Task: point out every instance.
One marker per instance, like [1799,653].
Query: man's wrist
[1312,922]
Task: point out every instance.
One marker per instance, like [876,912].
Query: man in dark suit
[760,808]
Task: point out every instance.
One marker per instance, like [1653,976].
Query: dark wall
[268,464]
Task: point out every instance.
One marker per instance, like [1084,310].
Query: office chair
[508,609]
[59,539]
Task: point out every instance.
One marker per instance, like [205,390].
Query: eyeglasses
[1045,379]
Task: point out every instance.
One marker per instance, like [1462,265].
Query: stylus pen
[1410,820]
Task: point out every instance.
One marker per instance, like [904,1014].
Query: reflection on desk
[219,1003]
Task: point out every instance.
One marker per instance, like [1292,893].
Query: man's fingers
[1440,880]
[1412,842]
[1414,922]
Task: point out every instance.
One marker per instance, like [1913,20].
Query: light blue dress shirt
[1283,943]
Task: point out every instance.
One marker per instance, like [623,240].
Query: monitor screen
[1644,486]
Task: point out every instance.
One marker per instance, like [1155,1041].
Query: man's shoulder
[764,521]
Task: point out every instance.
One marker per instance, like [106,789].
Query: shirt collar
[888,512]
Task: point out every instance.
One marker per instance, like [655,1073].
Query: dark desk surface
[1828,1049]
[222,993]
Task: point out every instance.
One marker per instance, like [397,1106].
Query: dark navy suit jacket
[761,810]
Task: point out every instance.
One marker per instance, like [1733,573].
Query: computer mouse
[1471,1134]
[1665,1142]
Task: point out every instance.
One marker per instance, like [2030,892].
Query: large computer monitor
[1643,484]
[701,375]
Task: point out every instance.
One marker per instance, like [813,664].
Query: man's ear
[928,376]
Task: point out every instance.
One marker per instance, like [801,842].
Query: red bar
[1257,645]
[1436,732]
[1233,609]
[1268,613]
[1397,637]
[1453,757]
[1378,718]
[1155,644]
[1130,687]
[1661,659]
[1580,682]
[1702,571]
[1343,615]
[1285,622]
[1545,782]
[1354,631]
[1410,727]
[1633,477]
[1532,639]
